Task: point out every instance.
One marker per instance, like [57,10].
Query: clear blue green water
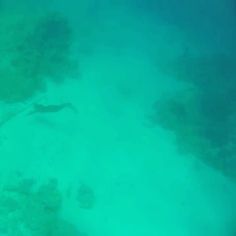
[117,118]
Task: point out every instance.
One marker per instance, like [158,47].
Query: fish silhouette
[41,108]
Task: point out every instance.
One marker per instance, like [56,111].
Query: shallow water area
[95,161]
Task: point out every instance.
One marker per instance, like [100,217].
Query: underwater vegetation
[203,117]
[34,49]
[29,208]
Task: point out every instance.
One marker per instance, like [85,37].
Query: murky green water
[117,118]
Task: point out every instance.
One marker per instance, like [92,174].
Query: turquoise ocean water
[117,118]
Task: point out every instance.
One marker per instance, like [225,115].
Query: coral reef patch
[34,49]
[27,208]
[203,118]
[85,197]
